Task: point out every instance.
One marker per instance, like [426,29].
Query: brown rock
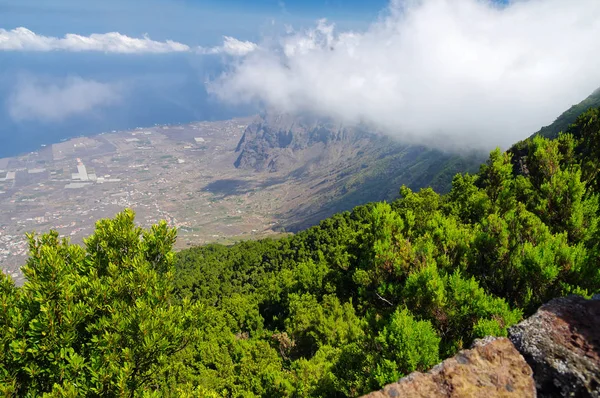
[492,368]
[561,342]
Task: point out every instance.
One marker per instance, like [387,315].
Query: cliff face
[554,353]
[282,142]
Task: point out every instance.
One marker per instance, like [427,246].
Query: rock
[278,142]
[492,368]
[561,343]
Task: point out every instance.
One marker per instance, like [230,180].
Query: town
[163,172]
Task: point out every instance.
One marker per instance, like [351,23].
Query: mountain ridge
[352,165]
[568,117]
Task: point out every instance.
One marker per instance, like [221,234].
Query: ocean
[154,90]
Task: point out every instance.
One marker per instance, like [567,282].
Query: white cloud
[33,99]
[22,39]
[449,73]
[231,46]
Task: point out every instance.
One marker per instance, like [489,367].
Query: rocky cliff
[554,353]
[284,142]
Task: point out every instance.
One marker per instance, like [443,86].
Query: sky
[446,73]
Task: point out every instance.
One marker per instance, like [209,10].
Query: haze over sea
[155,90]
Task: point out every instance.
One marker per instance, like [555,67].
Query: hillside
[337,167]
[340,309]
[349,301]
[563,122]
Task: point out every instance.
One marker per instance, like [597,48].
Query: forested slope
[563,122]
[375,293]
[337,310]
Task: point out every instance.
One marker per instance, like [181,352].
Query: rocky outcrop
[492,368]
[277,142]
[561,343]
[554,353]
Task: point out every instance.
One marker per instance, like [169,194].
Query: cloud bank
[448,73]
[50,102]
[22,39]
